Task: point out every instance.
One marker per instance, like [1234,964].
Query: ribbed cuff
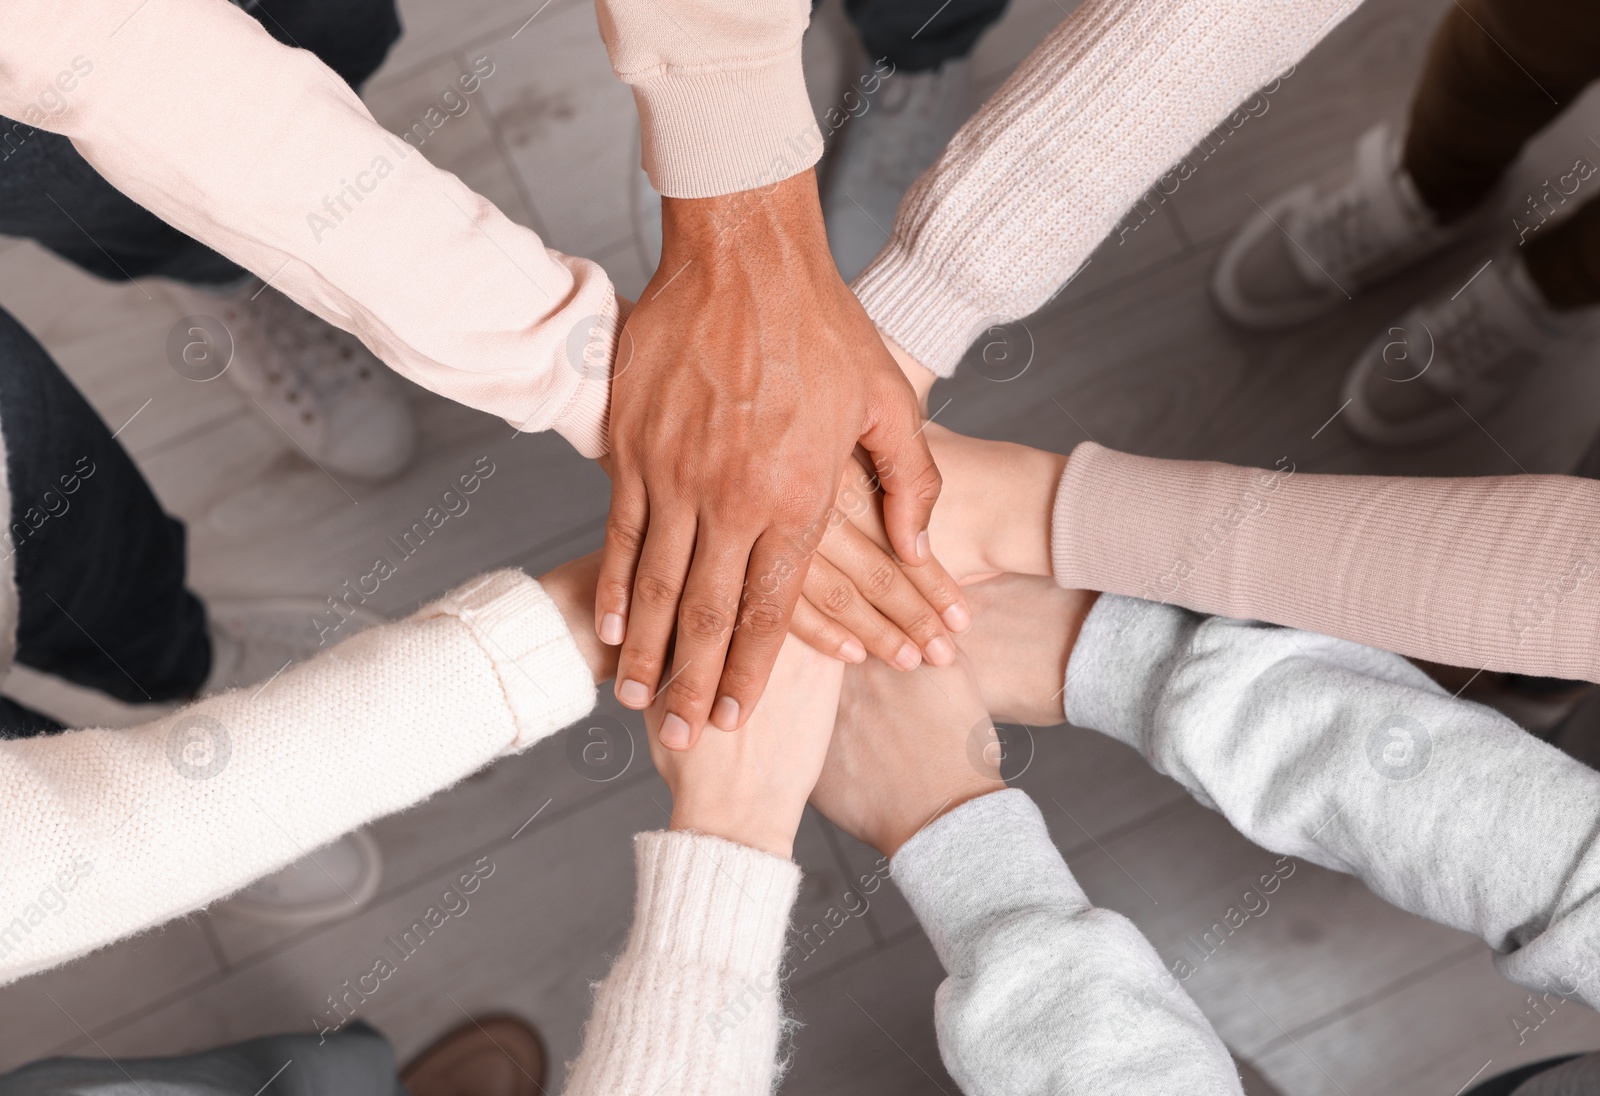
[546,680]
[721,131]
[920,310]
[968,869]
[1123,655]
[707,902]
[591,351]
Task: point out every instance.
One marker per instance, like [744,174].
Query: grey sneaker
[1450,360]
[881,152]
[335,400]
[254,640]
[1299,256]
[324,885]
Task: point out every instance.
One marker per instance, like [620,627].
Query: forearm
[693,1005]
[1501,573]
[720,90]
[1046,993]
[1041,174]
[261,152]
[1352,758]
[174,814]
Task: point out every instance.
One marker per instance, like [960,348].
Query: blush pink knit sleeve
[720,90]
[1116,95]
[260,151]
[1499,572]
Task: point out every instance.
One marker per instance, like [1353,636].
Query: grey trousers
[356,1061]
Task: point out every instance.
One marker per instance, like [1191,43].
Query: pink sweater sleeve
[720,90]
[1039,176]
[191,109]
[1499,572]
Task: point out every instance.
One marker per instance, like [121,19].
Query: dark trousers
[99,565]
[356,1061]
[1498,72]
[919,35]
[49,193]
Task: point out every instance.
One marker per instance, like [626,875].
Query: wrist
[780,223]
[571,586]
[900,830]
[757,825]
[1016,528]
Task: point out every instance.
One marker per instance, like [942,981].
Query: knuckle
[928,484]
[685,694]
[655,592]
[880,579]
[763,619]
[624,534]
[704,619]
[739,682]
[839,598]
[924,627]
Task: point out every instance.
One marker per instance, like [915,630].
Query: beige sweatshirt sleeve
[720,90]
[1039,176]
[260,151]
[107,833]
[692,1005]
[1498,572]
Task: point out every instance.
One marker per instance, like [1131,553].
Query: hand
[753,374]
[859,598]
[906,749]
[751,787]
[1023,633]
[571,587]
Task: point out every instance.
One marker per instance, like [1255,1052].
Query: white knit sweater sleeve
[1046,993]
[692,1004]
[1354,759]
[104,833]
[1039,176]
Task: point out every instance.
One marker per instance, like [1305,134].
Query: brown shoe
[491,1056]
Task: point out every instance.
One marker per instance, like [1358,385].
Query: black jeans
[99,565]
[356,1061]
[918,35]
[49,193]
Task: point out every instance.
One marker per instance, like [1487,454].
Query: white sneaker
[1450,358]
[1304,251]
[336,401]
[254,640]
[325,885]
[881,152]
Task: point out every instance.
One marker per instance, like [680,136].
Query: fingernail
[940,651]
[923,552]
[611,629]
[957,619]
[633,693]
[908,657]
[674,733]
[725,713]
[851,651]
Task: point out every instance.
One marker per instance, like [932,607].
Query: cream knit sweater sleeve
[260,151]
[1497,572]
[720,90]
[1039,176]
[107,833]
[692,1005]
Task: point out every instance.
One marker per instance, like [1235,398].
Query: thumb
[904,467]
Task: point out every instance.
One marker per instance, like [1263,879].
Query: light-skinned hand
[751,787]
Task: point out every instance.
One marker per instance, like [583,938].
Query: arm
[693,1003]
[752,372]
[1040,175]
[1046,994]
[1354,759]
[1500,572]
[146,824]
[264,154]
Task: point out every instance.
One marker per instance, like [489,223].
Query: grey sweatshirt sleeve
[1354,759]
[1046,994]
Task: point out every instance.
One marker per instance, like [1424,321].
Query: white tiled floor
[1331,992]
